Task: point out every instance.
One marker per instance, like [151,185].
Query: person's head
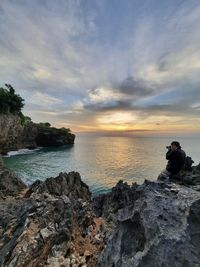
[175,145]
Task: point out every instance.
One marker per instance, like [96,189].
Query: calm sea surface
[101,161]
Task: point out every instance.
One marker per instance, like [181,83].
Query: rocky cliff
[57,223]
[14,135]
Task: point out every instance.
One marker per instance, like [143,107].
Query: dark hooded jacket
[176,160]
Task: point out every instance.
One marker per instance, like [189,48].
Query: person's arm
[170,154]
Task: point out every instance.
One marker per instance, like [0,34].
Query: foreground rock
[51,224]
[56,223]
[160,226]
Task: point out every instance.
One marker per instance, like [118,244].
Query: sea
[101,160]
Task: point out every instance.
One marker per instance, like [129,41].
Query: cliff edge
[16,135]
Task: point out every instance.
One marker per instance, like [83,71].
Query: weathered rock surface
[107,205]
[52,224]
[160,226]
[69,184]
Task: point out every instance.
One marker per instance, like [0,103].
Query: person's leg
[164,175]
[175,178]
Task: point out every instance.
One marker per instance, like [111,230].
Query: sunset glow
[130,67]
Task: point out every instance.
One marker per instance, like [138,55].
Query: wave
[22,151]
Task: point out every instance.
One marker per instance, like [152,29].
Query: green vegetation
[24,119]
[45,127]
[10,102]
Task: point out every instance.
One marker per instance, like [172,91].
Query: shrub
[10,102]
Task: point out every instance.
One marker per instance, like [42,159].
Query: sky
[129,67]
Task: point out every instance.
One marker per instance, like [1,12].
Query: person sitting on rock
[176,159]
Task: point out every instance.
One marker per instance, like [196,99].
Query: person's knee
[175,178]
[163,176]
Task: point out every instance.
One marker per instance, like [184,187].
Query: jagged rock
[159,228]
[122,195]
[69,184]
[10,183]
[39,227]
[48,225]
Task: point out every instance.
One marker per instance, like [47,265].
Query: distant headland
[18,131]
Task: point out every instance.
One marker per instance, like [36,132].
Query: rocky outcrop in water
[56,223]
[51,136]
[14,135]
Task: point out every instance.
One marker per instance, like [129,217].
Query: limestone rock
[159,228]
[48,225]
[69,184]
[14,136]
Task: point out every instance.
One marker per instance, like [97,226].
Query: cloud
[135,88]
[44,100]
[122,95]
[90,62]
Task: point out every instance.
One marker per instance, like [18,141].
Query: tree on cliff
[10,102]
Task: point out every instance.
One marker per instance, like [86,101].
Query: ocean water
[101,161]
